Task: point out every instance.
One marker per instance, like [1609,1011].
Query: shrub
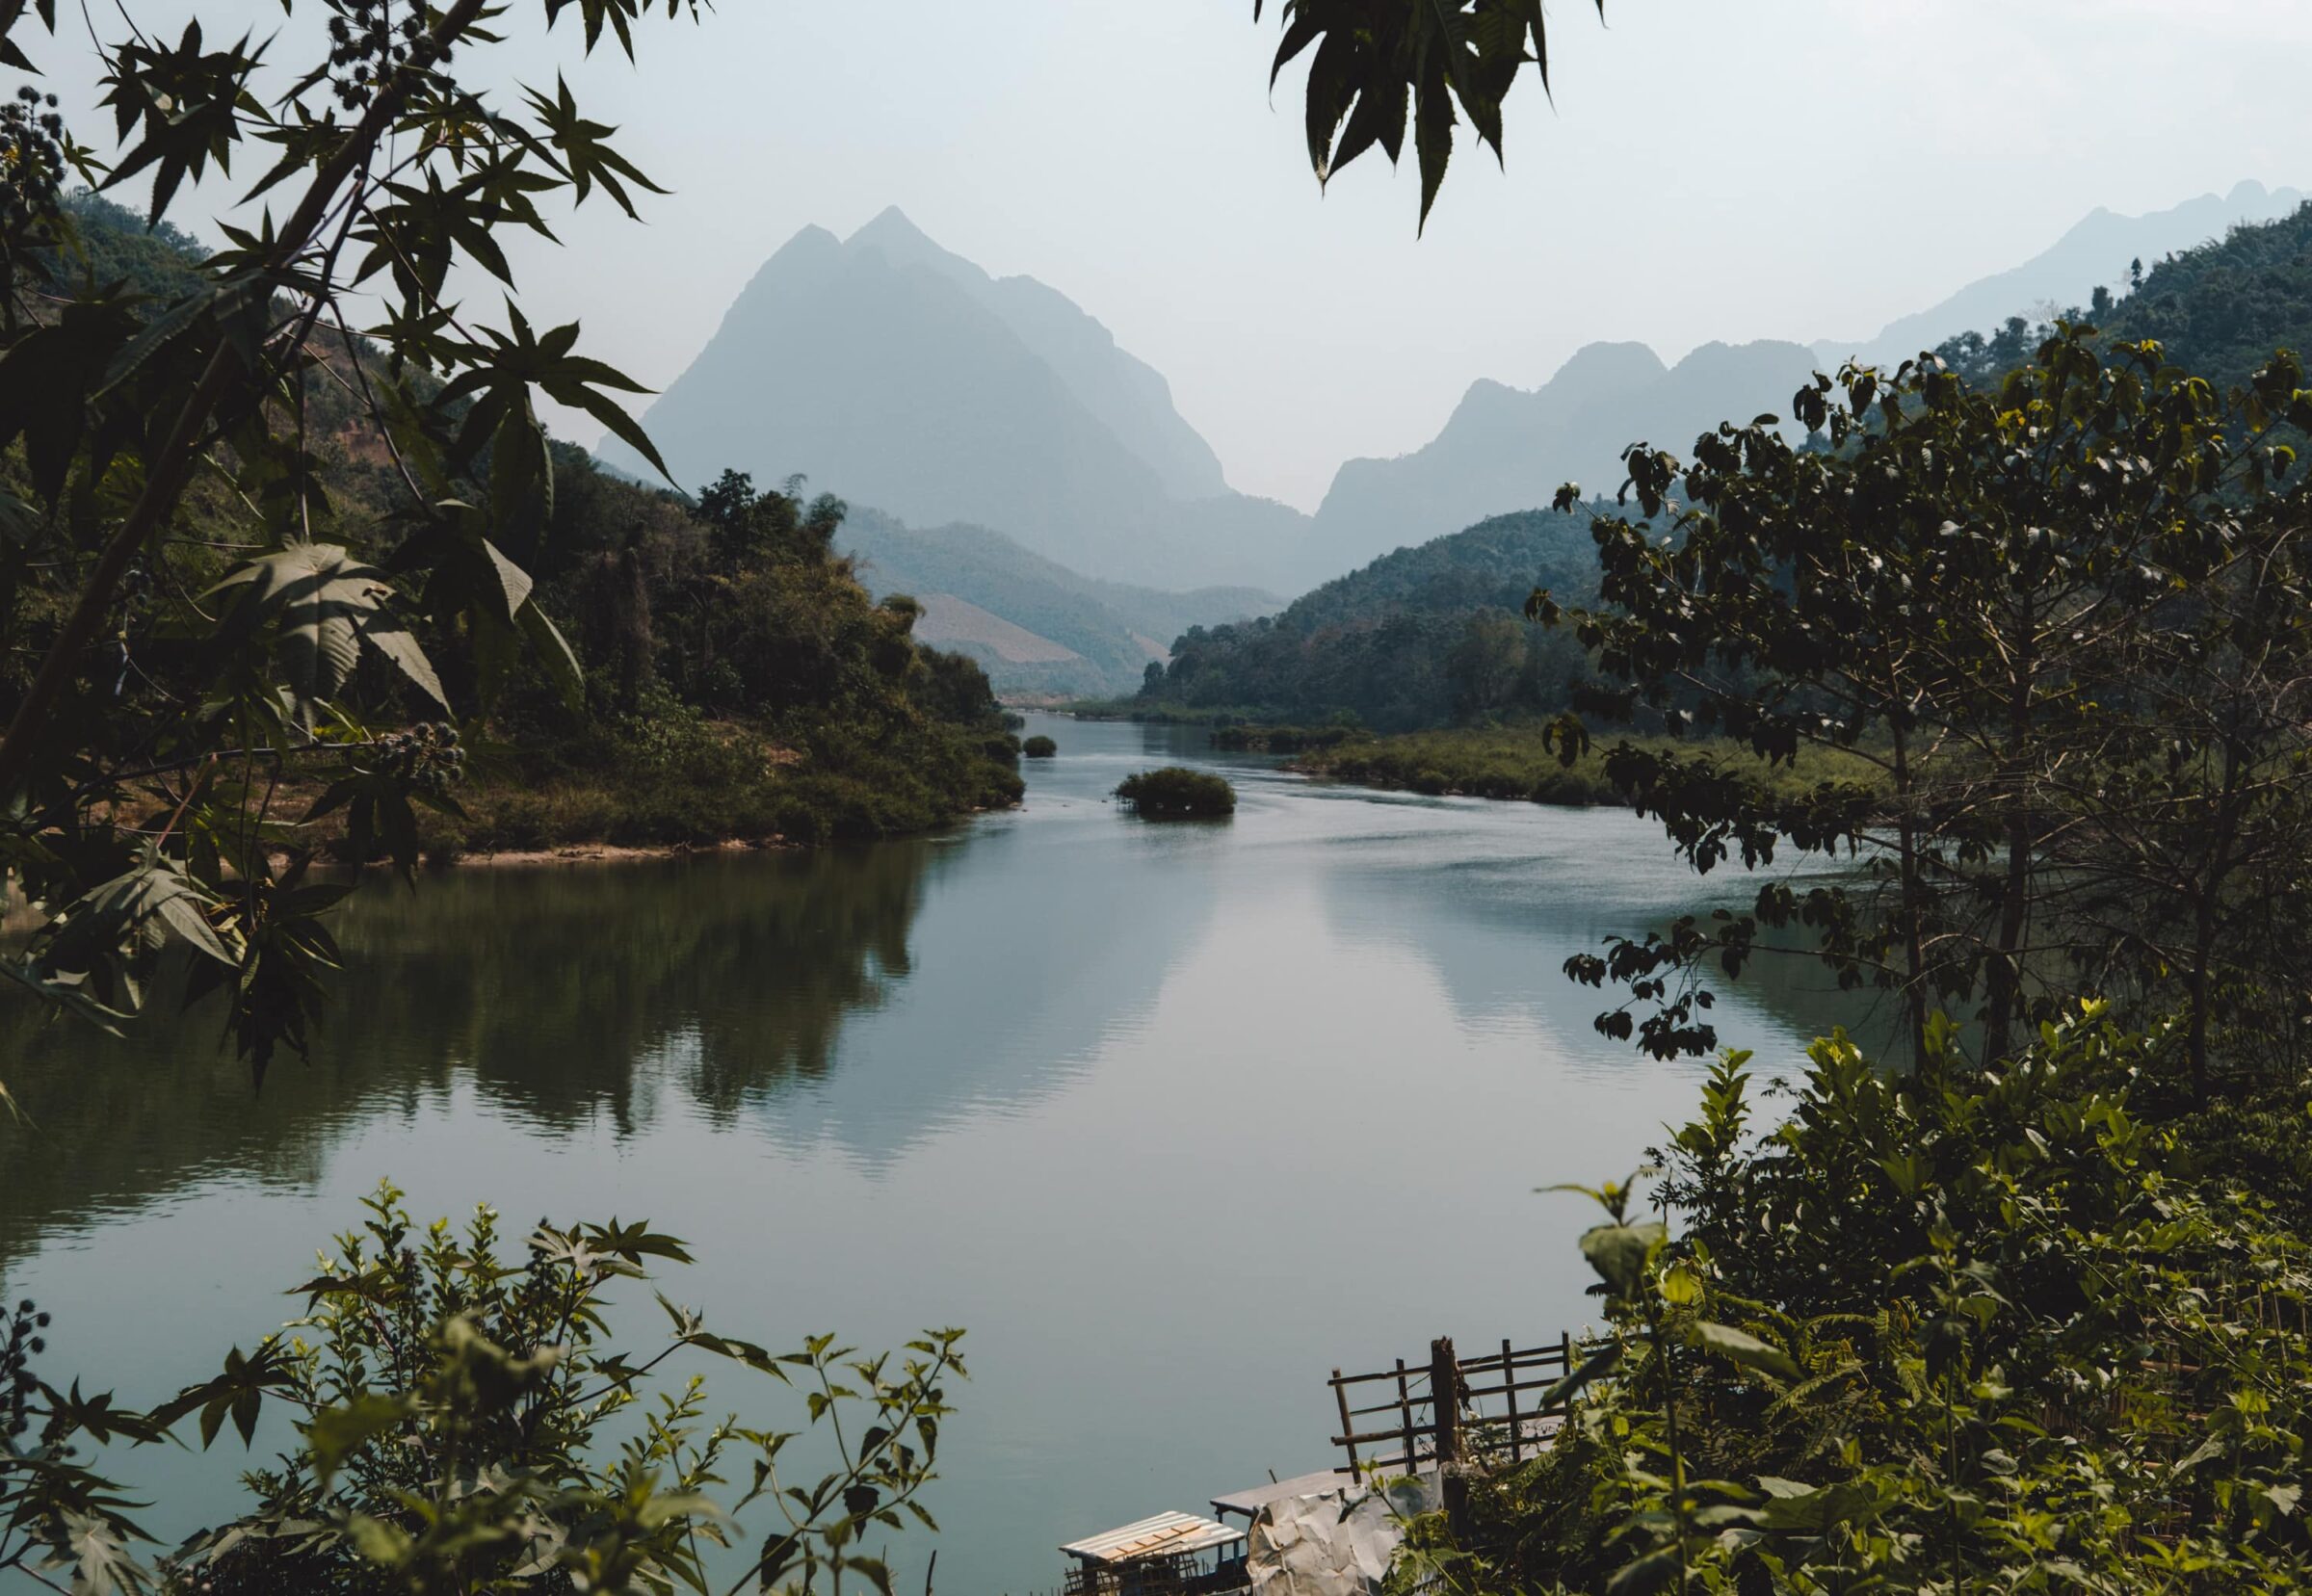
[1178,793]
[464,1422]
[1963,1330]
[1039,746]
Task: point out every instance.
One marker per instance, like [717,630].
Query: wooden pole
[1445,1414]
[1509,1385]
[1340,1392]
[1404,1416]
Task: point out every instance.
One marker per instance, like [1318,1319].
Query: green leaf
[1618,1252]
[336,1433]
[1652,1572]
[1742,1348]
[320,601]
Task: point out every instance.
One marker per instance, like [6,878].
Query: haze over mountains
[2096,252]
[1067,490]
[904,377]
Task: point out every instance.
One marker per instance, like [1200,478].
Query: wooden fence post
[1445,1414]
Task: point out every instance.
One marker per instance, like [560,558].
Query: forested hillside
[1067,632]
[1418,638]
[696,671]
[2217,310]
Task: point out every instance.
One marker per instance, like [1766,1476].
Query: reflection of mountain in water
[755,993]
[541,988]
[1032,952]
[1496,923]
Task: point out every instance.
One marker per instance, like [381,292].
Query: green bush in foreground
[1039,746]
[1178,793]
[1956,1331]
[449,1395]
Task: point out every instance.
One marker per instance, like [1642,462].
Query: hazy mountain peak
[900,375]
[903,244]
[1611,365]
[2095,250]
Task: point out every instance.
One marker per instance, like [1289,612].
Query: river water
[1174,1118]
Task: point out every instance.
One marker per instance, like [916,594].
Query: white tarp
[1336,1543]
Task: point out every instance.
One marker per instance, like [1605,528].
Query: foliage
[183,599]
[1517,762]
[2066,622]
[2219,309]
[1176,793]
[736,682]
[1039,746]
[455,1411]
[1930,1333]
[1450,61]
[1420,638]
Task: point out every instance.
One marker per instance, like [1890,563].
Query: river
[1174,1118]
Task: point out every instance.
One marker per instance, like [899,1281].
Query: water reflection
[1173,1118]
[567,996]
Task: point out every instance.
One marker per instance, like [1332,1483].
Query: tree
[2066,621]
[186,623]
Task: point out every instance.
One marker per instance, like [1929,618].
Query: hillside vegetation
[1419,638]
[733,678]
[1097,636]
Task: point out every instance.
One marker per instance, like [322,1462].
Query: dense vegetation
[1176,793]
[1419,638]
[2028,1328]
[733,679]
[1039,746]
[1518,763]
[2023,1310]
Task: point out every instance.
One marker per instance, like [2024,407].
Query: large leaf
[1746,1349]
[321,601]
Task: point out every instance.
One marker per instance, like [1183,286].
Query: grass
[1157,712]
[1510,763]
[1241,739]
[1178,793]
[703,786]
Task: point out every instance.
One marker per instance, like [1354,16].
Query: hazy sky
[1712,168]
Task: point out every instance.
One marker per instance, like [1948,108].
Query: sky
[1709,170]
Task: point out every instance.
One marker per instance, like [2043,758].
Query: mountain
[2096,252]
[1418,638]
[901,376]
[1034,625]
[1509,449]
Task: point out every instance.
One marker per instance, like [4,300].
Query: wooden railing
[1493,1409]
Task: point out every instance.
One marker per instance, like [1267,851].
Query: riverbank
[685,789]
[1511,763]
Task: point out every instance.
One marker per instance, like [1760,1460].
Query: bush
[1178,793]
[1039,746]
[466,1424]
[1963,1330]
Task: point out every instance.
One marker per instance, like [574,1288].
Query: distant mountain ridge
[1508,449]
[1036,626]
[901,376]
[2096,252]
[904,377]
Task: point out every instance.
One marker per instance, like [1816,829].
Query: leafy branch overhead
[1445,59]
[217,604]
